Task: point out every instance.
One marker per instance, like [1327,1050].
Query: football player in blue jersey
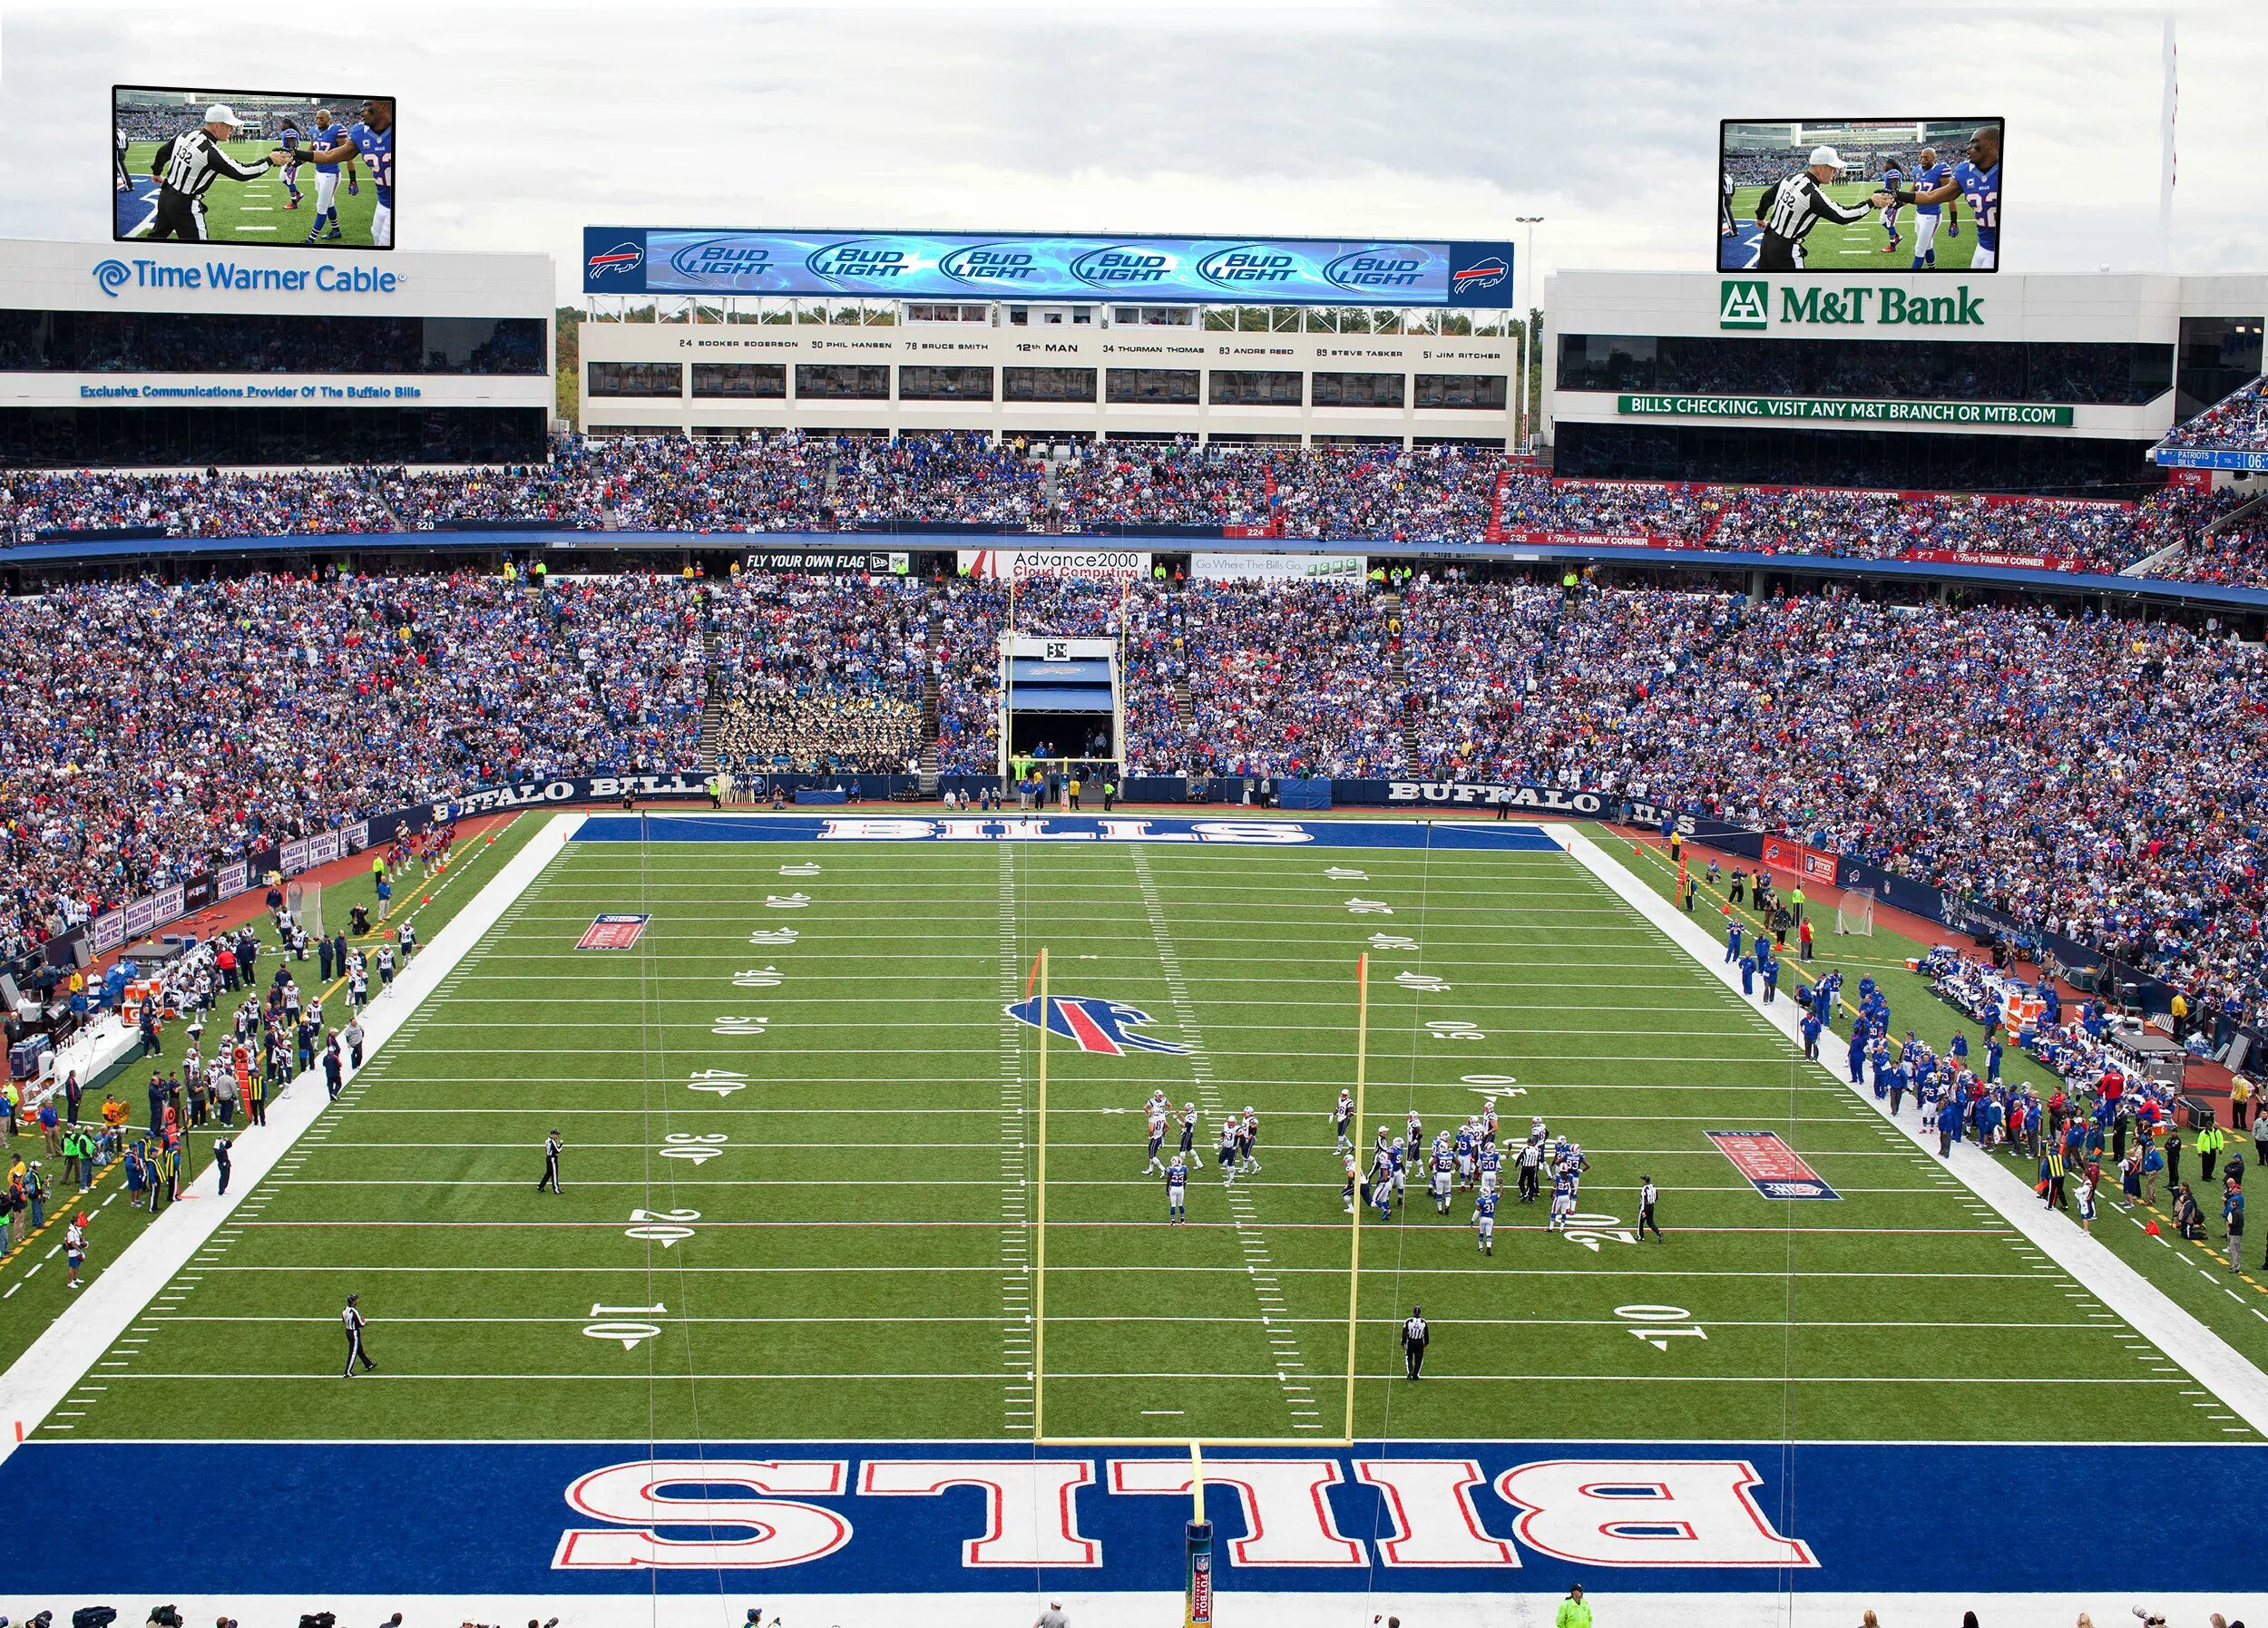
[1176,1192]
[1445,1164]
[325,134]
[1976,180]
[1484,1221]
[287,137]
[371,138]
[1892,178]
[1933,173]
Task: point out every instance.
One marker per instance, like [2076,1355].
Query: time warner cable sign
[956,266]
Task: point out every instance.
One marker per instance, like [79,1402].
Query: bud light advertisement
[1011,266]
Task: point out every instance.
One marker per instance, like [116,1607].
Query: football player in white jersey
[1343,1120]
[1225,1154]
[1157,1166]
[1248,1141]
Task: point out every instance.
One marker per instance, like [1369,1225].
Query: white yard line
[46,1373]
[2205,1355]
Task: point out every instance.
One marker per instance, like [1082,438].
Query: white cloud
[520,124]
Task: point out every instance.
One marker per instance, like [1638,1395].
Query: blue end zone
[132,211]
[479,1519]
[1064,828]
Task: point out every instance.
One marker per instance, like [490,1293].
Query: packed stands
[2237,423]
[2094,775]
[791,481]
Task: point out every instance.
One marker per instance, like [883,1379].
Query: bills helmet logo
[1481,274]
[1096,1024]
[623,257]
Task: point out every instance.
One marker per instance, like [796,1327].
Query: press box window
[1358,389]
[742,381]
[637,378]
[1472,392]
[1246,387]
[832,382]
[1153,387]
[1048,383]
[944,383]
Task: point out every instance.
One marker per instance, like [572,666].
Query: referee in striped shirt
[188,164]
[1791,206]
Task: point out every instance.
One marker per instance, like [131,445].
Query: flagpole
[1040,1234]
[1354,1259]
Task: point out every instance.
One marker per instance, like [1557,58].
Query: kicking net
[304,900]
[1855,914]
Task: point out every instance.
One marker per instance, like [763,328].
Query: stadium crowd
[2236,422]
[2098,778]
[790,480]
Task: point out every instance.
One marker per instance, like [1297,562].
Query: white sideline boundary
[60,1359]
[2204,1355]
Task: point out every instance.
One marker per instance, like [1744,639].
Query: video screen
[296,168]
[1859,195]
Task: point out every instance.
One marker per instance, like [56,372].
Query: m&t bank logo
[1744,303]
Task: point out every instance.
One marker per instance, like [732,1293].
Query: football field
[253,211]
[811,1196]
[1862,245]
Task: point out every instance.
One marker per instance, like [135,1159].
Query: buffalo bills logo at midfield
[622,258]
[1096,1024]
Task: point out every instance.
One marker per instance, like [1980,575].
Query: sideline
[56,1364]
[2205,1355]
[2117,1201]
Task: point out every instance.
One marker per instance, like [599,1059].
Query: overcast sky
[1427,118]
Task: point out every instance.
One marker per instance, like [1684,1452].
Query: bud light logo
[987,263]
[863,260]
[111,276]
[1248,265]
[1122,266]
[620,261]
[722,259]
[1479,275]
[1367,270]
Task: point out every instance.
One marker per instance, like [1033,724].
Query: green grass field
[255,211]
[826,1225]
[1859,246]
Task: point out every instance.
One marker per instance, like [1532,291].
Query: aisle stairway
[1390,603]
[933,713]
[712,703]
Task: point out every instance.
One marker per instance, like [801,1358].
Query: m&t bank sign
[1745,303]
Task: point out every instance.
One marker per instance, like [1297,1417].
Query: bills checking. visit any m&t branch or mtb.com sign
[612,932]
[1824,409]
[1772,1168]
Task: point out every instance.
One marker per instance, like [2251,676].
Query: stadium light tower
[1524,395]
